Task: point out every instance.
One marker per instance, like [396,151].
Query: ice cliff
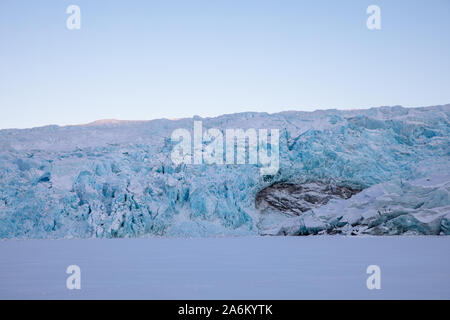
[378,171]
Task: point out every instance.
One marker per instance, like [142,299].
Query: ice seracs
[118,180]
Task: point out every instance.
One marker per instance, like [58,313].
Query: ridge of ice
[117,179]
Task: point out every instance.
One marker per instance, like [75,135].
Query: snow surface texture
[319,267]
[117,179]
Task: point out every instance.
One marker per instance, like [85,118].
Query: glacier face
[118,180]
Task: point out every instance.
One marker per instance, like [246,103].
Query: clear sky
[141,60]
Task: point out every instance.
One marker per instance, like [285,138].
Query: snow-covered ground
[227,268]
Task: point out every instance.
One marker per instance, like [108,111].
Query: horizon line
[107,121]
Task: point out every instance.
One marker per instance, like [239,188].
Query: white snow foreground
[117,179]
[319,267]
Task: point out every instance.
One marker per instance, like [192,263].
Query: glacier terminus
[378,171]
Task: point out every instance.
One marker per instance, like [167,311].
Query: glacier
[116,179]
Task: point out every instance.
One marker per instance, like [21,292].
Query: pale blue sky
[155,59]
